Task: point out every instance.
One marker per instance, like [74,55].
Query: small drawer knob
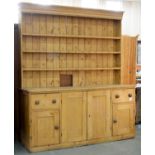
[54,101]
[56,127]
[37,102]
[117,96]
[114,121]
[129,95]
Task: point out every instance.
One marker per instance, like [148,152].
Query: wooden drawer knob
[129,95]
[56,127]
[37,102]
[114,121]
[54,101]
[117,96]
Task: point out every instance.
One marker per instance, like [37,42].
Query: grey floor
[125,147]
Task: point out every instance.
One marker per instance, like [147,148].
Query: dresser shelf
[58,52]
[70,69]
[71,36]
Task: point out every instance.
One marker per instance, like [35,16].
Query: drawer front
[123,95]
[45,101]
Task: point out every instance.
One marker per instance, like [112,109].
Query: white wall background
[132,10]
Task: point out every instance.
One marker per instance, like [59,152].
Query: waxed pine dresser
[71,87]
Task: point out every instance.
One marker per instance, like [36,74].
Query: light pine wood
[70,11]
[45,129]
[123,118]
[73,118]
[127,95]
[129,50]
[99,114]
[45,101]
[25,117]
[71,74]
[63,44]
[76,117]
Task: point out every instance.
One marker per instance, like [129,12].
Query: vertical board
[62,25]
[36,47]
[50,60]
[49,24]
[27,76]
[75,57]
[104,27]
[81,61]
[69,26]
[81,26]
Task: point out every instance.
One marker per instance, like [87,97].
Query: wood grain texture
[73,119]
[56,120]
[71,67]
[128,62]
[70,11]
[123,118]
[99,110]
[86,48]
[45,129]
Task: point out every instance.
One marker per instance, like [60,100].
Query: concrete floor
[125,147]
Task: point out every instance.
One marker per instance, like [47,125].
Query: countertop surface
[60,89]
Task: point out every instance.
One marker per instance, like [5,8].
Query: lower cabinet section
[45,128]
[71,118]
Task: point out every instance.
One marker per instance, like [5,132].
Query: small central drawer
[123,95]
[45,101]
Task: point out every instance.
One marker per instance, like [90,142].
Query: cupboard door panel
[73,116]
[123,118]
[99,114]
[45,128]
[128,60]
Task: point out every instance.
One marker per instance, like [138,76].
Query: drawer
[45,101]
[123,95]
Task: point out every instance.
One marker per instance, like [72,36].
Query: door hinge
[61,134]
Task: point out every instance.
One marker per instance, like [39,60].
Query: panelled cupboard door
[99,114]
[73,119]
[45,128]
[128,59]
[123,118]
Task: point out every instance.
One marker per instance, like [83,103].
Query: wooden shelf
[76,46]
[69,69]
[70,36]
[58,52]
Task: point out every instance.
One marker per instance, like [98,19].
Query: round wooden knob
[117,96]
[37,102]
[129,95]
[56,127]
[114,121]
[54,101]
